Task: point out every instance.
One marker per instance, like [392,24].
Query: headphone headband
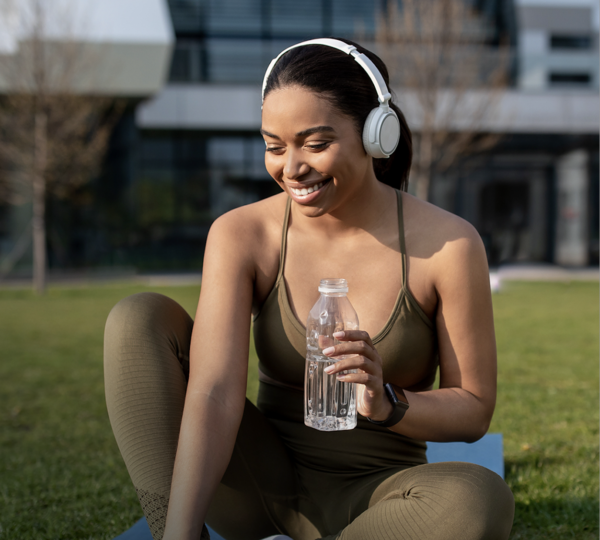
[381,132]
[362,59]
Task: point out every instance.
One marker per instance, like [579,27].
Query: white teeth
[305,191]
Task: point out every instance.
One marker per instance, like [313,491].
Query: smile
[307,191]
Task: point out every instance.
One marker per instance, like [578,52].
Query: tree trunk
[425,157]
[39,204]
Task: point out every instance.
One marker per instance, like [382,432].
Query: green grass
[548,406]
[61,475]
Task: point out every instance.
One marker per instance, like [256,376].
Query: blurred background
[501,95]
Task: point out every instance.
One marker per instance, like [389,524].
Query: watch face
[401,396]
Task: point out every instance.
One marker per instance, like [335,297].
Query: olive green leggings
[262,492]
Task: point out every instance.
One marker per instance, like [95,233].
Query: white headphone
[381,133]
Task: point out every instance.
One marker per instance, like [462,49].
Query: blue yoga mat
[487,452]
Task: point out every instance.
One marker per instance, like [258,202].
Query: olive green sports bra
[407,343]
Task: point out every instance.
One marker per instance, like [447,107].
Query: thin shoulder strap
[401,234]
[286,220]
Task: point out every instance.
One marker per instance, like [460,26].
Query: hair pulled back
[339,79]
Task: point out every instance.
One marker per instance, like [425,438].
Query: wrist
[383,412]
[399,407]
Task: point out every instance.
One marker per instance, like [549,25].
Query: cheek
[273,166]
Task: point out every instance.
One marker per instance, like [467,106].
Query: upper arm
[220,339]
[464,316]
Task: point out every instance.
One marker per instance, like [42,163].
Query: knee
[482,501]
[468,501]
[145,322]
[139,311]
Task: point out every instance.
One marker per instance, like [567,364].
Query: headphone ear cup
[381,133]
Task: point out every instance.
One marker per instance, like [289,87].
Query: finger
[353,335]
[355,362]
[370,381]
[352,347]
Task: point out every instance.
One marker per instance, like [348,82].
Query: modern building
[180,159]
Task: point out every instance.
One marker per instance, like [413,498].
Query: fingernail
[341,376]
[328,350]
[329,369]
[339,335]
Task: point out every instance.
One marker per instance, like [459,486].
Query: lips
[305,192]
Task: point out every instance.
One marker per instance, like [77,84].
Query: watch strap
[399,407]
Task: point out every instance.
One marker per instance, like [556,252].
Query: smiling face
[313,151]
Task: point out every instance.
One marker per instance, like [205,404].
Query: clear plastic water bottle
[329,404]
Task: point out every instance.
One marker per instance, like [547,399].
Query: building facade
[192,152]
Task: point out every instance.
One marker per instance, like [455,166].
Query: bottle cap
[333,286]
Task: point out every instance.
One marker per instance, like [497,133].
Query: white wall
[130,41]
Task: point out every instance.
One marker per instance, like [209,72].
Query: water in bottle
[329,404]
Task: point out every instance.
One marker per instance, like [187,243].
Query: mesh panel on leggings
[155,508]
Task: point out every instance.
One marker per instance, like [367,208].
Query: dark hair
[338,78]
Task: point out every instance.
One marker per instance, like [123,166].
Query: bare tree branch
[52,137]
[438,50]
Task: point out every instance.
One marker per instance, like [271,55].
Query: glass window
[227,154]
[257,169]
[188,62]
[351,18]
[303,18]
[187,15]
[570,42]
[237,60]
[570,79]
[235,17]
[156,152]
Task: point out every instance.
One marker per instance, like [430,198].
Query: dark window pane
[351,18]
[187,15]
[237,60]
[156,152]
[234,17]
[257,170]
[570,42]
[291,17]
[187,63]
[570,79]
[180,64]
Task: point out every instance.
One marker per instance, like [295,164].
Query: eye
[274,149]
[317,146]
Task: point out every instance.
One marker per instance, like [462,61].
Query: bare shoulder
[445,242]
[247,233]
[432,221]
[249,223]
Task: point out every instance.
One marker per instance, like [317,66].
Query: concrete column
[571,225]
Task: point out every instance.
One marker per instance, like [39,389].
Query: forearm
[207,436]
[444,415]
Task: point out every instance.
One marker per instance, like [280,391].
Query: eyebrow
[303,133]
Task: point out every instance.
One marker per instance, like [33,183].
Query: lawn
[61,475]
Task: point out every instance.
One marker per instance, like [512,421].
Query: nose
[295,165]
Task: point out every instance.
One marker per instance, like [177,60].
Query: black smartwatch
[400,406]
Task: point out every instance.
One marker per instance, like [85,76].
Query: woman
[418,280]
